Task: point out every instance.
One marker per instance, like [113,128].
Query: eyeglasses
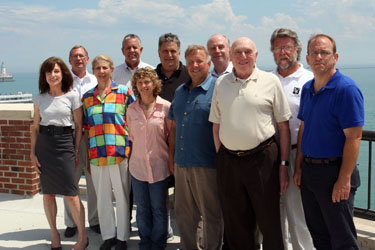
[78,56]
[286,48]
[322,53]
[247,53]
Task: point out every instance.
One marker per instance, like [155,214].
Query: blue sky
[31,31]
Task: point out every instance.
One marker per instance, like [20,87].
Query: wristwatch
[284,163]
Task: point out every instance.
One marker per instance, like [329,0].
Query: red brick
[2,122]
[25,140]
[4,191]
[17,157]
[27,146]
[4,145]
[10,186]
[27,134]
[23,151]
[8,139]
[1,173]
[27,176]
[30,170]
[10,174]
[6,157]
[33,181]
[15,134]
[25,163]
[10,162]
[18,180]
[28,122]
[23,128]
[10,151]
[33,192]
[4,168]
[12,145]
[4,179]
[26,187]
[8,128]
[1,185]
[19,192]
[16,122]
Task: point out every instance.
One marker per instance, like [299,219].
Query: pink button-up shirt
[149,155]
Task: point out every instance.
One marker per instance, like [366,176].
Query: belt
[294,146]
[326,161]
[55,130]
[259,148]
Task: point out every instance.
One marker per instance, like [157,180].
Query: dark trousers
[248,189]
[330,224]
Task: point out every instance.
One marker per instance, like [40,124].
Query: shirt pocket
[201,112]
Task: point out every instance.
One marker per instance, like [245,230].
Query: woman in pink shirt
[148,165]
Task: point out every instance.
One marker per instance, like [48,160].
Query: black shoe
[96,228]
[56,248]
[70,232]
[107,244]
[121,245]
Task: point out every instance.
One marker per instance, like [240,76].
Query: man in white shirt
[83,81]
[218,47]
[286,49]
[132,50]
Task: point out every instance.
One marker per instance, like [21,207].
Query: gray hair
[78,47]
[226,38]
[169,37]
[285,32]
[130,36]
[192,48]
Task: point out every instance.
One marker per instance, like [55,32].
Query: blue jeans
[152,216]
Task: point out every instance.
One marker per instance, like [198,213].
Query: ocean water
[364,77]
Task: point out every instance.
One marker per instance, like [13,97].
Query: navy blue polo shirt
[194,139]
[335,107]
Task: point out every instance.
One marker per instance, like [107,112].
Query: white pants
[105,178]
[292,215]
[92,210]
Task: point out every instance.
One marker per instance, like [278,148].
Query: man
[332,116]
[170,70]
[132,50]
[192,155]
[83,81]
[218,48]
[248,106]
[286,49]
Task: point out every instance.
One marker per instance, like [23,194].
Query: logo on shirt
[296,90]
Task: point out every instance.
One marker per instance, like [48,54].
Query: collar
[77,77]
[177,71]
[227,70]
[331,84]
[114,86]
[296,74]
[205,85]
[253,77]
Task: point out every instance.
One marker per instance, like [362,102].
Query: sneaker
[96,228]
[107,244]
[170,234]
[70,232]
[121,245]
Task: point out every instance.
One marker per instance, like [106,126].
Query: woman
[54,150]
[148,132]
[105,107]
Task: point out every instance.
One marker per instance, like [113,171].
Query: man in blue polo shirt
[332,115]
[192,155]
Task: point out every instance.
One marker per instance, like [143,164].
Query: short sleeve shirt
[105,118]
[194,139]
[248,111]
[149,158]
[57,110]
[122,74]
[337,106]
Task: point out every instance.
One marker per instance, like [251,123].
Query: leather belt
[326,161]
[260,147]
[55,130]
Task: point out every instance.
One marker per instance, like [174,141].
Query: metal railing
[367,213]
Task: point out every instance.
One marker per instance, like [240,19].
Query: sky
[31,31]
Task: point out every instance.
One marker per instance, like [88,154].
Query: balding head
[244,55]
[218,48]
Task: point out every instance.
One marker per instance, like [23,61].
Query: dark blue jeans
[152,217]
[330,224]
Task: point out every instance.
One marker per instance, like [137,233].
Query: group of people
[247,150]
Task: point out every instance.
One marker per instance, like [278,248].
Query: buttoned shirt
[105,118]
[292,85]
[337,106]
[227,70]
[84,84]
[122,74]
[170,84]
[149,156]
[194,139]
[248,110]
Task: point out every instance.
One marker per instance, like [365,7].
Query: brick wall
[17,176]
